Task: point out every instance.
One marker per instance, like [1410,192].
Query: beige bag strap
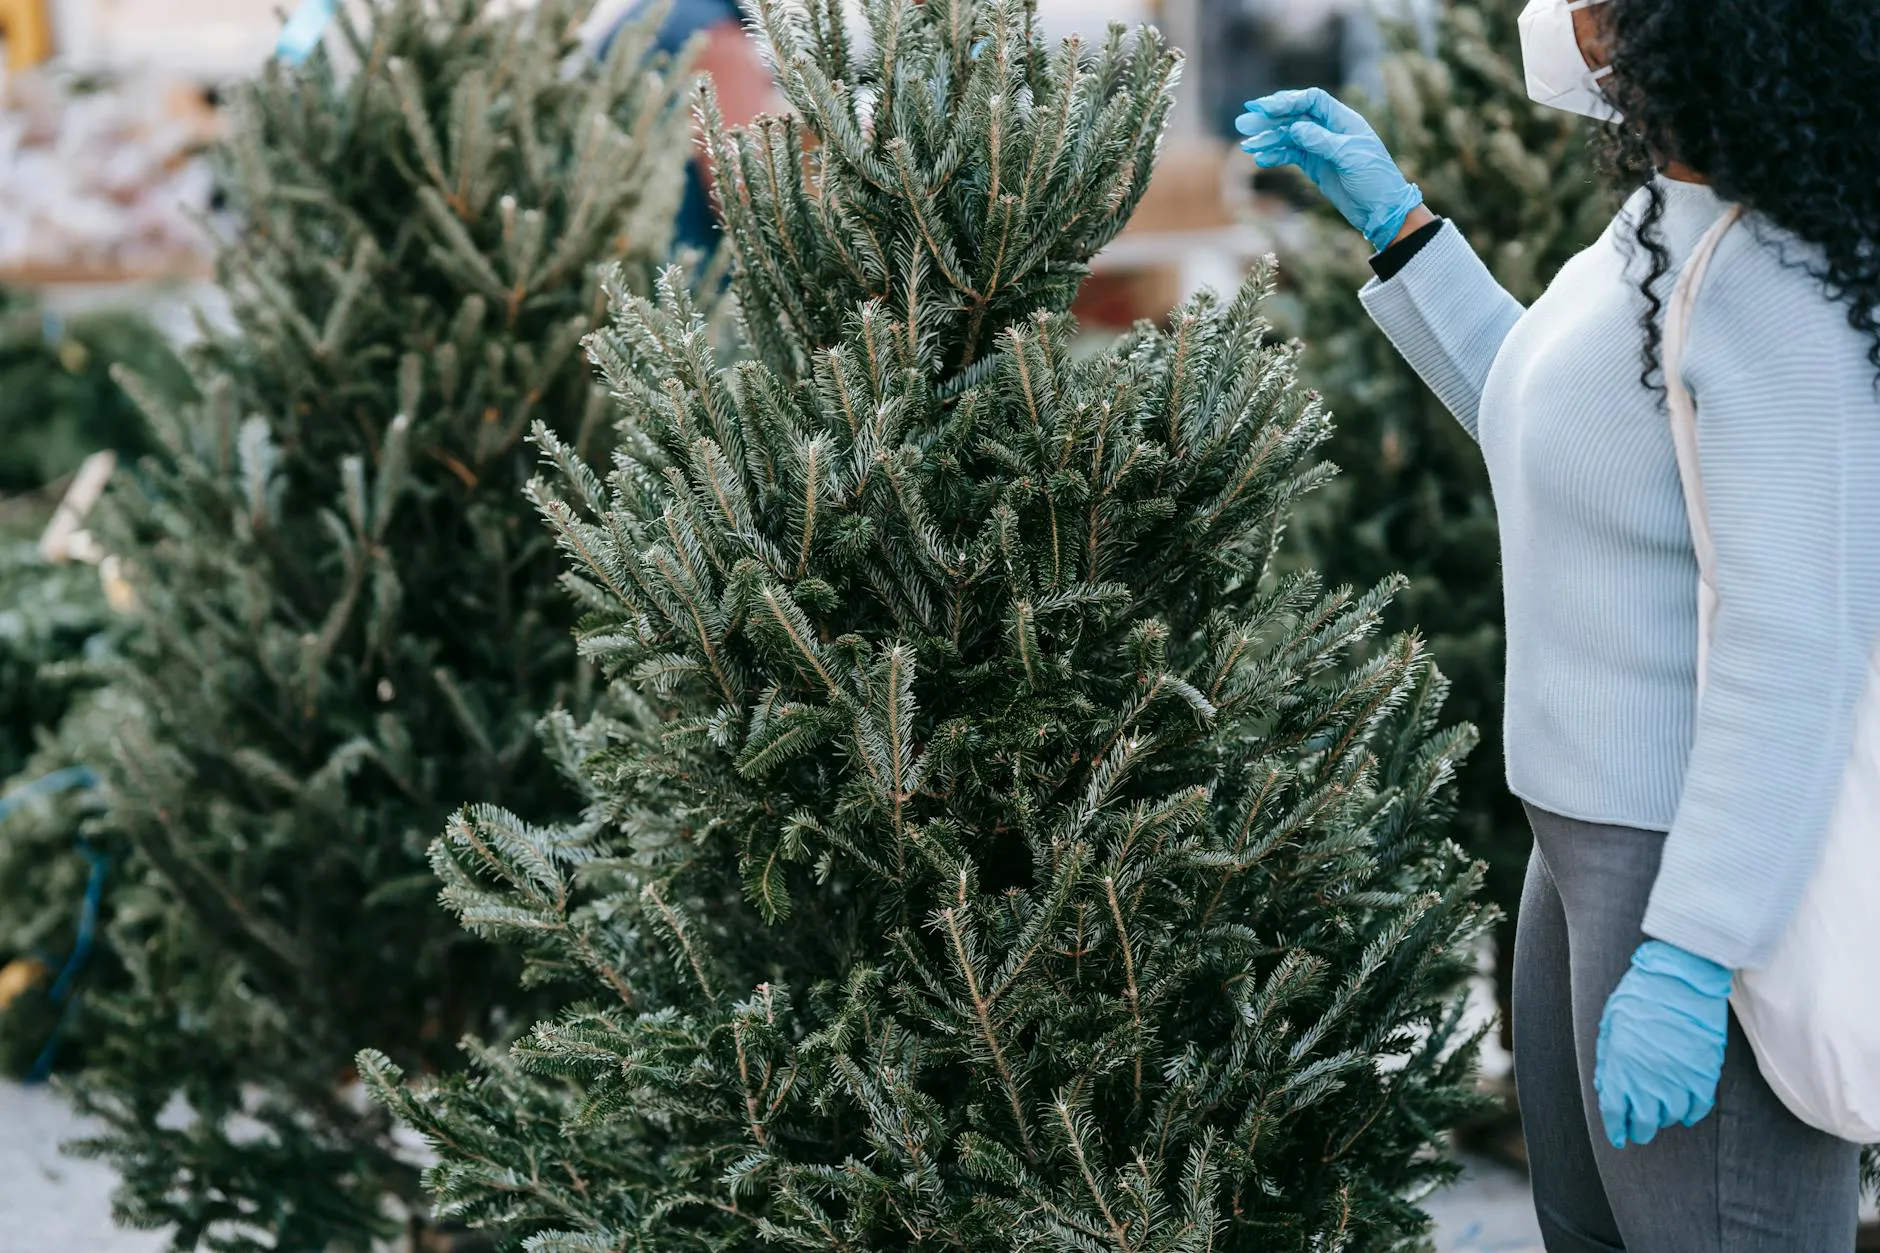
[1678,398]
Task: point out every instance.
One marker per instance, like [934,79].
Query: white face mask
[1556,72]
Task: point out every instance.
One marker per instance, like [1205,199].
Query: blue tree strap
[61,995]
[87,921]
[46,785]
[304,30]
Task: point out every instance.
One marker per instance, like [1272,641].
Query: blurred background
[107,103]
[109,206]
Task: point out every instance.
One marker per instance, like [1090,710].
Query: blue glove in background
[1661,1042]
[1338,151]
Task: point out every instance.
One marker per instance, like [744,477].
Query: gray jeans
[1750,1178]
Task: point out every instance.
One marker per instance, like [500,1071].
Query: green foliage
[52,617]
[45,877]
[1412,495]
[58,402]
[49,613]
[348,620]
[985,850]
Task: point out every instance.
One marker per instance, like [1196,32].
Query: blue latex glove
[1338,151]
[1661,1043]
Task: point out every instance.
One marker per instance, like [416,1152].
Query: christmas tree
[50,612]
[985,849]
[58,401]
[55,882]
[53,616]
[1412,495]
[58,405]
[348,621]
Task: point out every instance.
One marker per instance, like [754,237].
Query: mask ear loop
[1593,78]
[1605,71]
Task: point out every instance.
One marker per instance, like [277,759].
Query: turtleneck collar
[1678,191]
[1690,208]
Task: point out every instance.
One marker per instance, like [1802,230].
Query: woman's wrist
[1418,218]
[1411,239]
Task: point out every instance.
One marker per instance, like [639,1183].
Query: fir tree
[51,616]
[58,404]
[986,851]
[1412,495]
[58,401]
[55,882]
[348,621]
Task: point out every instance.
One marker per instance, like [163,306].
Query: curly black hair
[1777,104]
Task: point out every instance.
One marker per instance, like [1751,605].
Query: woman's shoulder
[1764,300]
[1758,259]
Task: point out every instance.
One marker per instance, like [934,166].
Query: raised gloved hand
[1338,151]
[1661,1042]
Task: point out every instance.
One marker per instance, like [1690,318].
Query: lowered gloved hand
[1661,1042]
[1338,151]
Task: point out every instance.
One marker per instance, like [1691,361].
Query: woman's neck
[1678,172]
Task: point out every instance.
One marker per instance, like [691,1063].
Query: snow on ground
[50,1203]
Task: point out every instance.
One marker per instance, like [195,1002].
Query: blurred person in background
[1673,838]
[740,77]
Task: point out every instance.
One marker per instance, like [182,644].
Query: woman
[1672,840]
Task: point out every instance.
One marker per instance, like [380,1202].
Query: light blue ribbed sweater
[1602,721]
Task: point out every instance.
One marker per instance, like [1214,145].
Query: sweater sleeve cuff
[1447,316]
[1388,263]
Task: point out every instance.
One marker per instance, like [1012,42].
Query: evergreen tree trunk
[348,623]
[986,850]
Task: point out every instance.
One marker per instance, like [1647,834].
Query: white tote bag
[1812,1014]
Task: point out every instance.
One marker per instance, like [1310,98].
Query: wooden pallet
[183,270]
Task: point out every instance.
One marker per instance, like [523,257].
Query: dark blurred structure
[1241,49]
[1251,47]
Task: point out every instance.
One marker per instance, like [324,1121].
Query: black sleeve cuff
[1393,259]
